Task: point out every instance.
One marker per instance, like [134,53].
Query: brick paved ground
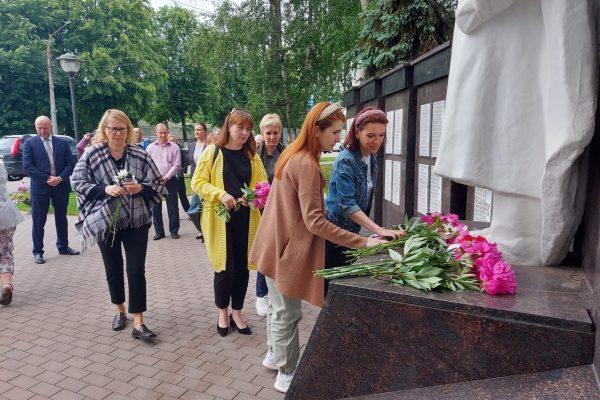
[56,341]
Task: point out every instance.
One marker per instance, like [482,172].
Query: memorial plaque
[425,130]
[388,181]
[435,192]
[397,183]
[436,126]
[398,130]
[423,189]
[389,133]
[482,211]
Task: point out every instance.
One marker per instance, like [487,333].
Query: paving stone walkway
[56,340]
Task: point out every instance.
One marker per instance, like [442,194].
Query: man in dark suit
[49,164]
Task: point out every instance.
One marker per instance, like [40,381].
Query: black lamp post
[70,63]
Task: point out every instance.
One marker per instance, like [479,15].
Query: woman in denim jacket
[353,180]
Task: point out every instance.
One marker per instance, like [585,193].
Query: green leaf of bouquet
[394,255]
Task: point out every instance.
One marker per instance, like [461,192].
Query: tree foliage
[395,31]
[187,86]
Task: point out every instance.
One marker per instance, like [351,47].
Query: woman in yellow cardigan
[221,173]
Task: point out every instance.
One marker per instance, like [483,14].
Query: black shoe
[118,323]
[243,331]
[68,252]
[158,237]
[38,259]
[143,333]
[222,331]
[7,292]
[200,237]
[175,235]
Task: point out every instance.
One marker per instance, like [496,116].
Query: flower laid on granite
[122,176]
[22,195]
[255,199]
[437,253]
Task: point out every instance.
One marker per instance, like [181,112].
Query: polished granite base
[575,383]
[373,337]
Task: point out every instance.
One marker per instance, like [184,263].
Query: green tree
[399,31]
[114,38]
[188,85]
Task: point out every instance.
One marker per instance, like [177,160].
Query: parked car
[11,151]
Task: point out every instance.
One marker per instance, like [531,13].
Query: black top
[237,170]
[98,191]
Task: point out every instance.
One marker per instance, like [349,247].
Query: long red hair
[238,117]
[307,141]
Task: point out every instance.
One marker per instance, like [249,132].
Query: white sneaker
[262,304]
[269,361]
[282,383]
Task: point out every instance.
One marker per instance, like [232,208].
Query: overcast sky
[194,5]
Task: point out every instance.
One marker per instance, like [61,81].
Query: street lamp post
[50,79]
[70,63]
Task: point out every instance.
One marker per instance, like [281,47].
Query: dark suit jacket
[191,148]
[37,164]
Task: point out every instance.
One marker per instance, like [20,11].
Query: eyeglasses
[113,130]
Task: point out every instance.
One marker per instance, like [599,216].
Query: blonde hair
[270,120]
[119,115]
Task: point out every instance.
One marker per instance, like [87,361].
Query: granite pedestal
[372,337]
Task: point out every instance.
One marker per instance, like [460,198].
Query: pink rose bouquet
[255,198]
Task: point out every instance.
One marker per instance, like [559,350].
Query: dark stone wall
[591,232]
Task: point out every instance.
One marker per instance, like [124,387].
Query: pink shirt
[166,156]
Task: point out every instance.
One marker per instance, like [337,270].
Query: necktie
[50,156]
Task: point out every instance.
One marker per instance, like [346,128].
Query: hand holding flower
[228,201]
[132,187]
[391,233]
[115,190]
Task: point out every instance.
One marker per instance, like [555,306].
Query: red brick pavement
[56,341]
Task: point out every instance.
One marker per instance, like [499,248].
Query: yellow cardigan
[208,183]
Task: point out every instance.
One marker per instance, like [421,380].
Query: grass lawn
[71,207]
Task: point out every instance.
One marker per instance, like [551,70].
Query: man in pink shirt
[168,160]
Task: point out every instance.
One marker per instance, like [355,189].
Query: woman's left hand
[391,233]
[132,187]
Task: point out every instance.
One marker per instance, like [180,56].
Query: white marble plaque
[483,205]
[396,187]
[423,189]
[436,126]
[425,130]
[388,181]
[389,133]
[435,192]
[398,130]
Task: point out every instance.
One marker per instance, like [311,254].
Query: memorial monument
[520,109]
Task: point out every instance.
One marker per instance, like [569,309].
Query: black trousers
[232,283]
[172,210]
[135,243]
[185,203]
[334,257]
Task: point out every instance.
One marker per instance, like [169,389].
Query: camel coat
[291,236]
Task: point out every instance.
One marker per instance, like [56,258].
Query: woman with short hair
[116,212]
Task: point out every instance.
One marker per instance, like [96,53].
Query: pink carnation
[498,278]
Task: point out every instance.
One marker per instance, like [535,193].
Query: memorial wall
[413,97]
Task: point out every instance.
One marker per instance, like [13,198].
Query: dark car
[11,151]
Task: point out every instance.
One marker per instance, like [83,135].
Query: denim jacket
[348,188]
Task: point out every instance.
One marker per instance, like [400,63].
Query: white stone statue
[520,109]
